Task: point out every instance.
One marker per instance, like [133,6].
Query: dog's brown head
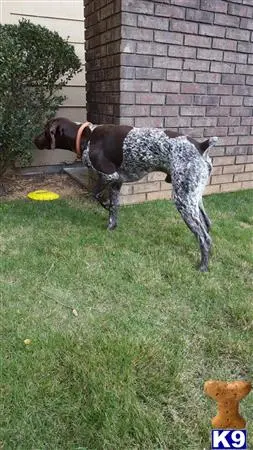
[58,133]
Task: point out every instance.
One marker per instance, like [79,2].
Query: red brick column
[102,44]
[181,64]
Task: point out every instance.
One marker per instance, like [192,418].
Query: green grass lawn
[128,371]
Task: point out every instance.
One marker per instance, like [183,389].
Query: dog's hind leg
[204,215]
[114,192]
[190,213]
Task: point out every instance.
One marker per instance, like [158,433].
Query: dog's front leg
[98,191]
[99,187]
[114,204]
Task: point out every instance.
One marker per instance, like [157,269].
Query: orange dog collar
[79,136]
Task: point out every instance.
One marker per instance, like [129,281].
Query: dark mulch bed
[14,186]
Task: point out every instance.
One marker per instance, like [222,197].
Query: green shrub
[35,64]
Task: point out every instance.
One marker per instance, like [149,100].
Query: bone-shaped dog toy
[227,396]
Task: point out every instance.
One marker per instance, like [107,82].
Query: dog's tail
[211,142]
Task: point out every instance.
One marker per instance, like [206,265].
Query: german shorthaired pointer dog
[119,153]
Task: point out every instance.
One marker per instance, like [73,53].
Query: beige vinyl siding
[67,18]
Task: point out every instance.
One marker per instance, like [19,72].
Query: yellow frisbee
[42,195]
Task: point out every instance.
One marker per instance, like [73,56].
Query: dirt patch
[17,187]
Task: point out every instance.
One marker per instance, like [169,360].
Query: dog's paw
[203,268]
[112,225]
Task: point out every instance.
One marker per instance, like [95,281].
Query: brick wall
[186,65]
[102,43]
